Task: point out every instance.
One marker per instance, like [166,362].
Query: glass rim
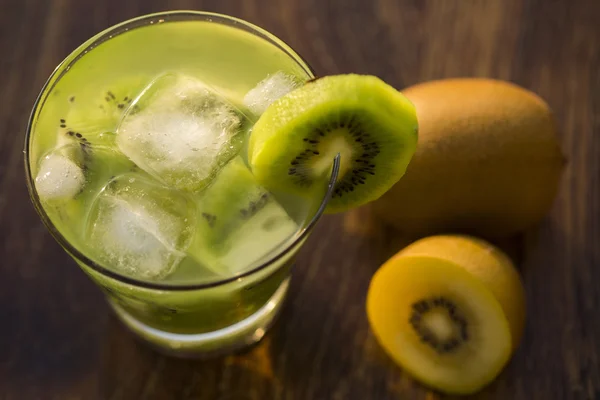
[141,21]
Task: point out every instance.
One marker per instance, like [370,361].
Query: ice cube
[268,90]
[180,131]
[59,177]
[139,228]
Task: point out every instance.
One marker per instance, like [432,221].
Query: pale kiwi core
[329,148]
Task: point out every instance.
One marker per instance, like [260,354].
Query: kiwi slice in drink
[369,123]
[94,118]
[239,221]
[233,198]
[86,132]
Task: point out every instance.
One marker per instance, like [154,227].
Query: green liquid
[99,86]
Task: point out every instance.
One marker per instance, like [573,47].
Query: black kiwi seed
[255,206]
[210,218]
[83,142]
[71,99]
[422,307]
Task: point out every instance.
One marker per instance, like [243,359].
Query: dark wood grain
[58,339]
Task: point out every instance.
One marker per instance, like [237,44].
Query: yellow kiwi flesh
[487,161]
[488,264]
[442,309]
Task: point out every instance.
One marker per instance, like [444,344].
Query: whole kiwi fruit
[487,161]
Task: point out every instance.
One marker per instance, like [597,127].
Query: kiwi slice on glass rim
[369,123]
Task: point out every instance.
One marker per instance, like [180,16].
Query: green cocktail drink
[182,159]
[137,163]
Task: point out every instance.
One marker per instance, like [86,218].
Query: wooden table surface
[58,339]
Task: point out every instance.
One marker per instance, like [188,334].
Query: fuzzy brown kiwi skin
[488,162]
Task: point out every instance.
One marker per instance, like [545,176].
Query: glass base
[209,344]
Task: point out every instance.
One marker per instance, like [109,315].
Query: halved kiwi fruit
[372,126]
[437,311]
